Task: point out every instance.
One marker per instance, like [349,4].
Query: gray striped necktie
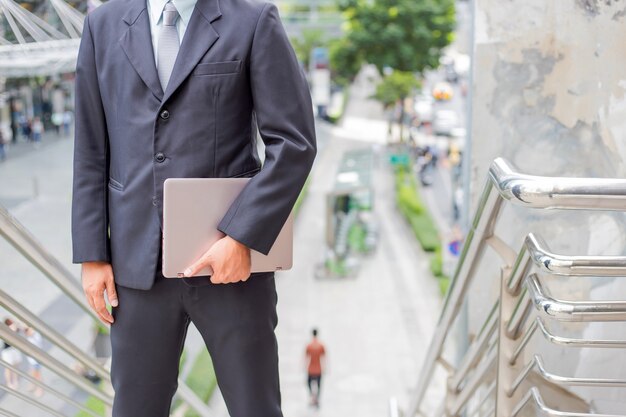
[168,44]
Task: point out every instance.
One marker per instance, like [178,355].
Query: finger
[196,266]
[217,278]
[111,292]
[101,307]
[90,299]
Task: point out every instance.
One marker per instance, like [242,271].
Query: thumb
[111,292]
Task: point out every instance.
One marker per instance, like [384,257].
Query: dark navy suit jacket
[235,71]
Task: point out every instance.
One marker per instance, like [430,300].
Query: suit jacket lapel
[199,36]
[137,44]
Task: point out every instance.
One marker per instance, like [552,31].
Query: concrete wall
[548,94]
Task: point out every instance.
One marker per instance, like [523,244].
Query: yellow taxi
[442,91]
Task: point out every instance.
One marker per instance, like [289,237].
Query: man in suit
[178,88]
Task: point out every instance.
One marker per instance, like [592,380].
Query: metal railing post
[51,363]
[504,183]
[31,249]
[506,372]
[473,249]
[49,389]
[22,314]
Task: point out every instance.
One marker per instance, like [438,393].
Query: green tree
[402,38]
[394,88]
[405,35]
[306,42]
[345,60]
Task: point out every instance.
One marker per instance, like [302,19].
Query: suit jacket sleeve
[284,113]
[90,237]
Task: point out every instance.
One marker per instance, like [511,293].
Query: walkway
[375,326]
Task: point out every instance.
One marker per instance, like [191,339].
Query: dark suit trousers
[237,323]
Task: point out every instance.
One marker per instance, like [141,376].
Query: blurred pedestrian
[27,130]
[67,122]
[57,121]
[12,356]
[35,367]
[37,129]
[3,154]
[315,351]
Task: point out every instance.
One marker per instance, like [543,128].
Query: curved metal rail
[589,311]
[533,397]
[522,289]
[537,364]
[32,250]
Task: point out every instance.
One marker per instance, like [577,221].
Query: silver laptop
[192,210]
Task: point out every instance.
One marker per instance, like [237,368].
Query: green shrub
[425,231]
[436,263]
[201,379]
[336,267]
[356,238]
[183,359]
[94,404]
[444,283]
[408,198]
[411,206]
[301,197]
[422,224]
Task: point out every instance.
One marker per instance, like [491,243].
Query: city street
[374,325]
[472,149]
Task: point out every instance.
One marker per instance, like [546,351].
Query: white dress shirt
[155,13]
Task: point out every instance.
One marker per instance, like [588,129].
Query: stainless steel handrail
[536,252]
[49,389]
[561,340]
[51,363]
[476,379]
[25,316]
[573,310]
[30,400]
[568,341]
[7,413]
[537,363]
[555,264]
[520,314]
[489,391]
[504,183]
[25,243]
[473,249]
[536,191]
[476,349]
[31,249]
[534,397]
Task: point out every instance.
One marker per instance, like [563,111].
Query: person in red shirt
[314,353]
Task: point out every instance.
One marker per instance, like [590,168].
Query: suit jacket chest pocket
[217,68]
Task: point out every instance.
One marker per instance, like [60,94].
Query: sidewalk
[374,326]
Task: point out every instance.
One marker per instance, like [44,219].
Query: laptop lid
[192,210]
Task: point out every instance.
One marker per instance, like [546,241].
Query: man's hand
[97,277]
[229,260]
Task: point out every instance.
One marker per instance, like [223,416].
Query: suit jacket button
[165,114]
[159,157]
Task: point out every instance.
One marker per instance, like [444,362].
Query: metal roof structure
[31,46]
